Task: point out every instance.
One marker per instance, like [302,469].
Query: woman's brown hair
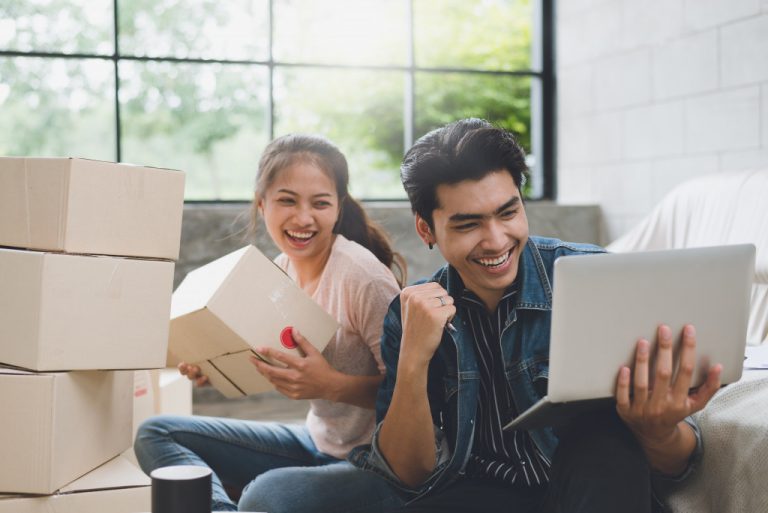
[353,222]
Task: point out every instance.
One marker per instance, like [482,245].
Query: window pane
[445,97]
[360,111]
[482,34]
[74,26]
[210,29]
[362,32]
[57,107]
[209,120]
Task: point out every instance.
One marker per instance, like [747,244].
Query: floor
[269,406]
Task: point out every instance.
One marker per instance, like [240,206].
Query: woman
[337,256]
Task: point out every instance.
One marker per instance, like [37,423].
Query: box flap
[116,473]
[219,381]
[199,286]
[239,370]
[199,336]
[16,371]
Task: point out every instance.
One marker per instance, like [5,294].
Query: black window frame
[546,158]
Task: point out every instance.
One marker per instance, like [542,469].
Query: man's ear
[424,231]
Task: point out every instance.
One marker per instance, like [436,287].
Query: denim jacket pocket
[540,378]
[450,386]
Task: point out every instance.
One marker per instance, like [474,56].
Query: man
[468,350]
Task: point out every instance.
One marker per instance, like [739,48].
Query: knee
[152,433]
[153,428]
[270,491]
[605,442]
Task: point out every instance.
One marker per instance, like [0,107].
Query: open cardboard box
[115,487]
[73,312]
[90,206]
[59,426]
[222,311]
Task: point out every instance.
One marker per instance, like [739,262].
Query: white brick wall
[745,52]
[728,120]
[666,137]
[686,66]
[700,14]
[655,92]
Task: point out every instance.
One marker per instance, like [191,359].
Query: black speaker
[181,489]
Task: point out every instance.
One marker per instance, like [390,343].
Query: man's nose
[495,236]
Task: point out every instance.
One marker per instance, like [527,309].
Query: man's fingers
[686,366]
[663,370]
[642,359]
[706,391]
[622,391]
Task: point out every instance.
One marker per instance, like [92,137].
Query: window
[203,85]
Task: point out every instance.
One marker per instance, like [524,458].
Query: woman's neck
[309,270]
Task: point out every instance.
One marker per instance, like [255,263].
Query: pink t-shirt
[356,289]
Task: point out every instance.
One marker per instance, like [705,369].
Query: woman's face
[300,209]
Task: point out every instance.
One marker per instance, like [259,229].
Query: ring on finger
[442,300]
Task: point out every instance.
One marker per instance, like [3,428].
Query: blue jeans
[277,465]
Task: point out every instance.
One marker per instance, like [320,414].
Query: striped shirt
[508,456]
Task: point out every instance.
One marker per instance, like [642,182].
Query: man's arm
[406,438]
[655,415]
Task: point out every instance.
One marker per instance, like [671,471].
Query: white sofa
[726,208]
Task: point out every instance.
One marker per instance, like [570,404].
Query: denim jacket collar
[535,291]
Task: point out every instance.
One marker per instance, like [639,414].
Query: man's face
[481,230]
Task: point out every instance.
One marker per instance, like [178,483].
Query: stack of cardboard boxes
[86,275]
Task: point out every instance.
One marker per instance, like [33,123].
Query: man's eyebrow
[457,218]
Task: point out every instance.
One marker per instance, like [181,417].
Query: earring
[430,245]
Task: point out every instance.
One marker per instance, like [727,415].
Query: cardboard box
[172,392]
[158,392]
[90,206]
[59,426]
[71,312]
[225,309]
[115,487]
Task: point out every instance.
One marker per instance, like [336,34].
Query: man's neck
[490,299]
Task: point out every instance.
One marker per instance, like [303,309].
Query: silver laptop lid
[604,303]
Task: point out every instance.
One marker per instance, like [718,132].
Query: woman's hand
[193,373]
[306,376]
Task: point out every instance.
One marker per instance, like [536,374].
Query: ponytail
[355,225]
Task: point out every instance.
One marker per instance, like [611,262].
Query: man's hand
[305,376]
[656,411]
[193,373]
[425,309]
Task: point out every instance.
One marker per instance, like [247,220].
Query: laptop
[603,303]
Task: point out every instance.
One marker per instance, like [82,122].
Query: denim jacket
[453,375]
